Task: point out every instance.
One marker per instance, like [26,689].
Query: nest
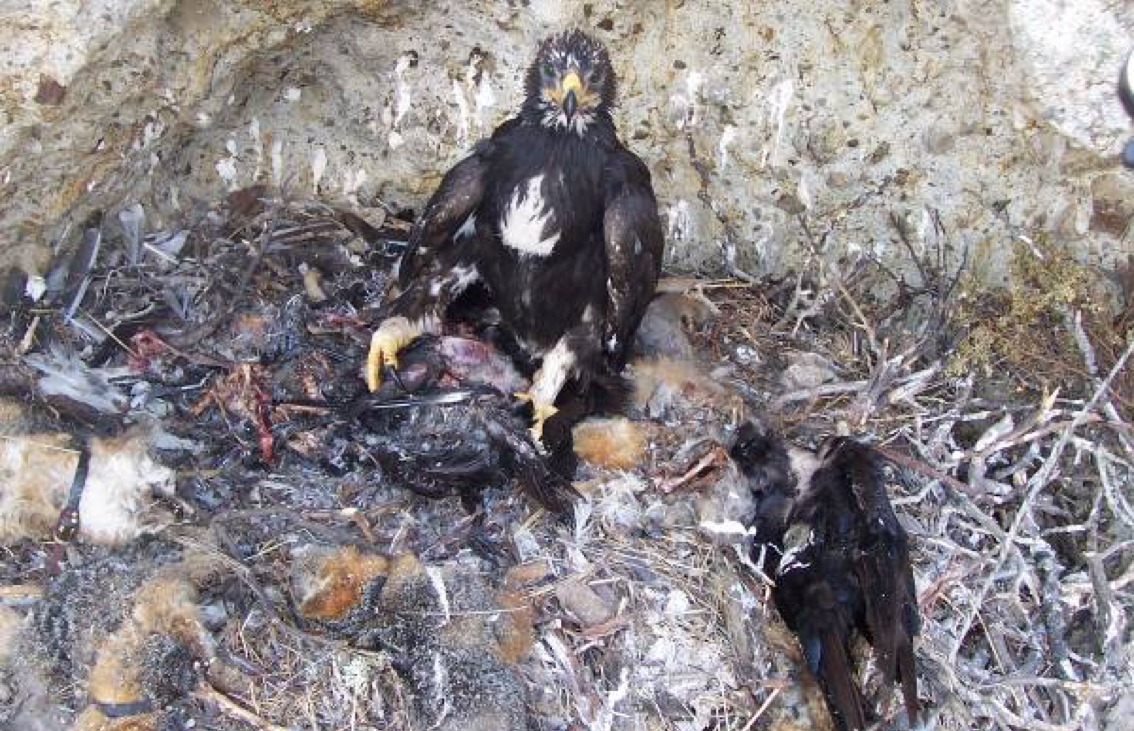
[1010,463]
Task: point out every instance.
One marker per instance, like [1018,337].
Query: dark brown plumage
[840,562]
[554,218]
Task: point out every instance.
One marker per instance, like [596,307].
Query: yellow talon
[391,336]
[540,414]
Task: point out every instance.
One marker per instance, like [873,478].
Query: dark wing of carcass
[883,568]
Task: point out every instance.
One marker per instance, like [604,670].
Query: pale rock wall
[771,127]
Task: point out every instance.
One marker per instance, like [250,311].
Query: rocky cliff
[774,130]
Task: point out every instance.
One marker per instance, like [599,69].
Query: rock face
[772,129]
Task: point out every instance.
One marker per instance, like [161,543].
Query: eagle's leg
[557,367]
[422,306]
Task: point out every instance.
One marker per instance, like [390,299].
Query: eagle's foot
[391,336]
[541,412]
[547,382]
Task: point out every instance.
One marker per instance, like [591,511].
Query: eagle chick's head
[571,82]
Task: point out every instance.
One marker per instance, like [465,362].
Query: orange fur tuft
[613,443]
[169,606]
[114,678]
[666,385]
[515,631]
[338,581]
[162,605]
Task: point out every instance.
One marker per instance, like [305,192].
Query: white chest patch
[525,219]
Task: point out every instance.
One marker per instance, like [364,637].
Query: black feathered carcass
[839,560]
[446,425]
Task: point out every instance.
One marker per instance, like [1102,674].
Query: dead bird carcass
[839,562]
[459,439]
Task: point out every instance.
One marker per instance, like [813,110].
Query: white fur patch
[525,219]
[119,490]
[117,502]
[727,528]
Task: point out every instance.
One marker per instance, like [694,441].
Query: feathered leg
[557,367]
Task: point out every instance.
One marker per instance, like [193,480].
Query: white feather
[438,582]
[66,375]
[468,228]
[525,220]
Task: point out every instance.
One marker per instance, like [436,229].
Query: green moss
[1021,327]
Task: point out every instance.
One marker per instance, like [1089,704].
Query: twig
[1091,362]
[904,460]
[760,711]
[226,704]
[1037,483]
[806,394]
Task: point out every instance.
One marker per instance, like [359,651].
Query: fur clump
[92,719]
[11,624]
[330,582]
[36,471]
[451,635]
[672,388]
[663,330]
[133,664]
[117,496]
[118,638]
[458,641]
[612,443]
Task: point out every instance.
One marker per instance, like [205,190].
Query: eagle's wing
[456,198]
[634,247]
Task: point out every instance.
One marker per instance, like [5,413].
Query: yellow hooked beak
[572,87]
[571,82]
